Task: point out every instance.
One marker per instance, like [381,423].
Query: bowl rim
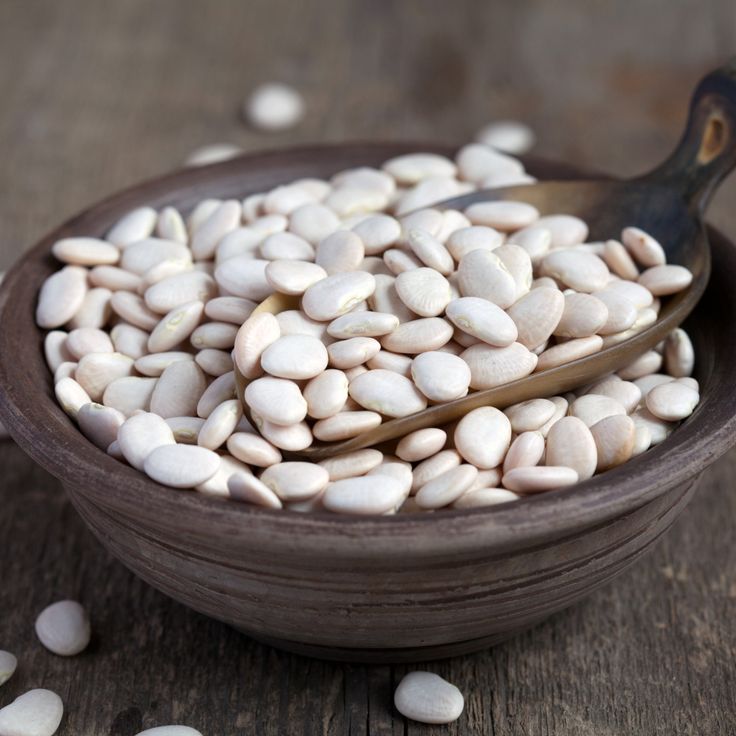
[36,422]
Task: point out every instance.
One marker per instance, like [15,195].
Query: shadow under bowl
[400,588]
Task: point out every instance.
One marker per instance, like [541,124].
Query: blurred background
[97,95]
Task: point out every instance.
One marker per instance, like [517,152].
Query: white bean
[481,273]
[140,434]
[170,731]
[276,400]
[252,449]
[257,333]
[175,327]
[114,278]
[220,424]
[291,438]
[295,481]
[134,310]
[427,698]
[569,351]
[430,251]
[491,366]
[35,713]
[536,315]
[185,429]
[355,351]
[295,356]
[530,415]
[169,226]
[672,401]
[571,444]
[538,478]
[617,258]
[245,277]
[61,297]
[233,309]
[643,247]
[353,464]
[293,276]
[377,233]
[474,237]
[85,340]
[132,227]
[337,294]
[64,628]
[446,488]
[96,371]
[421,444]
[129,394]
[181,466]
[577,269]
[214,362]
[144,254]
[178,390]
[482,319]
[94,311]
[326,394]
[99,423]
[418,336]
[387,393]
[369,494]
[509,136]
[504,216]
[274,106]
[411,168]
[247,488]
[679,354]
[614,438]
[340,252]
[221,389]
[8,664]
[483,497]
[592,408]
[483,436]
[525,451]
[85,252]
[434,466]
[212,154]
[584,315]
[440,376]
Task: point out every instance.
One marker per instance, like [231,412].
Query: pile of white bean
[402,305]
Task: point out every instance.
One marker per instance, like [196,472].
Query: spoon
[667,202]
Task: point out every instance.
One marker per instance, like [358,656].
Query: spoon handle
[706,152]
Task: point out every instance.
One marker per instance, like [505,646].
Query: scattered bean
[35,713]
[64,628]
[427,698]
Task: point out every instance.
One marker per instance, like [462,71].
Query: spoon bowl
[668,203]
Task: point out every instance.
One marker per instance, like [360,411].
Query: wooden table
[96,95]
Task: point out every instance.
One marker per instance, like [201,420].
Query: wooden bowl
[407,587]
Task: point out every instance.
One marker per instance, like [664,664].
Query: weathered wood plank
[99,95]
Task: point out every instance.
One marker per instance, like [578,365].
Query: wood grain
[99,95]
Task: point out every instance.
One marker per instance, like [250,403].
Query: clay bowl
[377,588]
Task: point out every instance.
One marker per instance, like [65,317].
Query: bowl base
[399,655]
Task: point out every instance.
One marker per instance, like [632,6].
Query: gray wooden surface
[97,95]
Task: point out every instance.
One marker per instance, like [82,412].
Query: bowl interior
[30,411]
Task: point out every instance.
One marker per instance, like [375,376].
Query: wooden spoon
[668,203]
